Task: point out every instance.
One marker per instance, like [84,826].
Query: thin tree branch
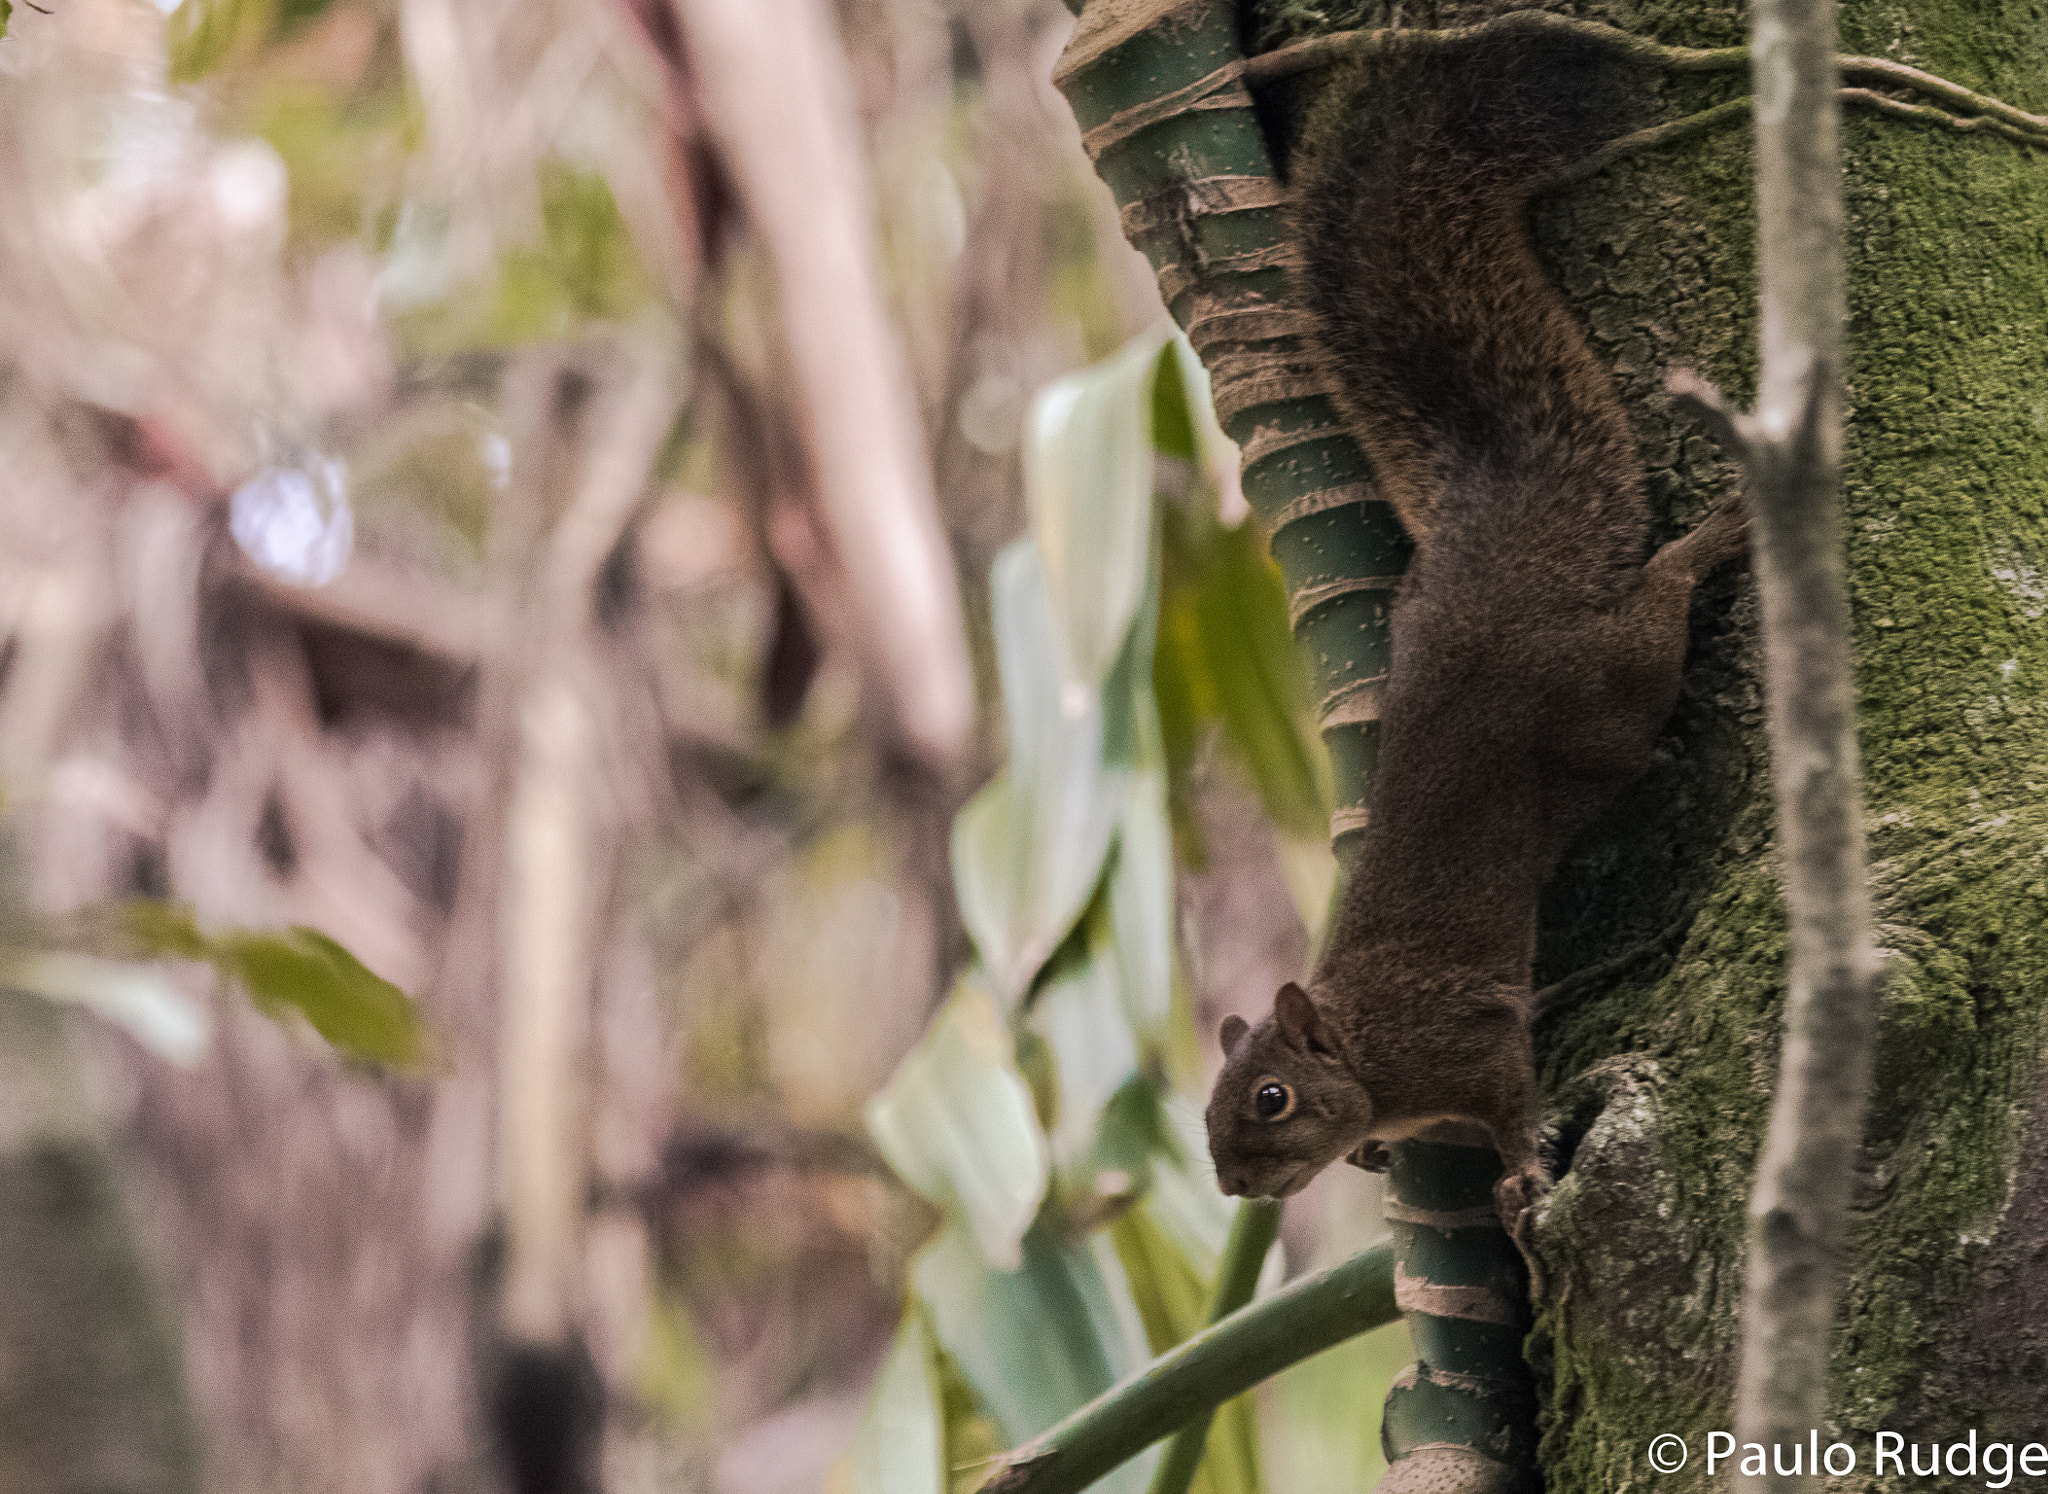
[1928,114]
[1791,450]
[1992,114]
[1297,1322]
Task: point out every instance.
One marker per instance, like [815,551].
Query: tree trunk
[1666,925]
[1660,1075]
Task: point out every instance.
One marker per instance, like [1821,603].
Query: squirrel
[1537,644]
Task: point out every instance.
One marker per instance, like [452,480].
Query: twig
[1647,139]
[1791,452]
[1926,114]
[1902,76]
[1994,115]
[1252,1234]
[1322,51]
[1300,1320]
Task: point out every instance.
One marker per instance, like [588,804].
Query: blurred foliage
[1083,1229]
[344,152]
[1226,656]
[297,970]
[1226,660]
[101,959]
[581,267]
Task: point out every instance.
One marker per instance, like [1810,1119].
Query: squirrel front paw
[1372,1156]
[1515,1198]
[1515,1194]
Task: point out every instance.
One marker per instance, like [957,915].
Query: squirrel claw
[1372,1156]
[1515,1197]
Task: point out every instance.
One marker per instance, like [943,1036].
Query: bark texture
[1666,927]
[1660,1072]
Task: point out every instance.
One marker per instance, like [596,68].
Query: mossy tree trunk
[1658,1061]
[1660,1075]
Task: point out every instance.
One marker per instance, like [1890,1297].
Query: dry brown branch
[1791,451]
[601,446]
[380,602]
[779,105]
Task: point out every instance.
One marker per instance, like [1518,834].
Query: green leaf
[1226,655]
[1088,481]
[1080,1014]
[1029,849]
[900,1447]
[162,930]
[1040,1341]
[1181,369]
[957,1123]
[6,10]
[1173,1299]
[301,969]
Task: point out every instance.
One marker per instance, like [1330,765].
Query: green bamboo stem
[1461,1284]
[1159,90]
[1252,1233]
[1300,1320]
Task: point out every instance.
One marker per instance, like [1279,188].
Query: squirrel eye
[1272,1100]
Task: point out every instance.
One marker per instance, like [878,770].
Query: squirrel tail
[1461,370]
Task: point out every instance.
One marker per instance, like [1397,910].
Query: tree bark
[1666,925]
[1661,1076]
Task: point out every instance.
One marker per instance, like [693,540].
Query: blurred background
[498,501]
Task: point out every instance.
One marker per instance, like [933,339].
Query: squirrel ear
[1234,1029]
[1300,1022]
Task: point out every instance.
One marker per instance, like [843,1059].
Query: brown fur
[1537,654]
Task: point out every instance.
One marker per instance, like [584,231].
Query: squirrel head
[1286,1104]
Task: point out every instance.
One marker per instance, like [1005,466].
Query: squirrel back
[1537,648]
[1459,367]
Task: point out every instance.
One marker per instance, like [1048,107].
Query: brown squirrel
[1536,651]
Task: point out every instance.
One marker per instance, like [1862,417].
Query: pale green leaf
[957,1123]
[1079,1013]
[1088,481]
[900,1447]
[1028,850]
[137,998]
[1040,1341]
[1141,900]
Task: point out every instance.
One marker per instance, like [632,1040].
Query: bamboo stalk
[1252,1233]
[1302,1319]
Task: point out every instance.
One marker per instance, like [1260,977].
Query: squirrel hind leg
[1610,716]
[1719,539]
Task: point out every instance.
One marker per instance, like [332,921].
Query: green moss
[1946,489]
